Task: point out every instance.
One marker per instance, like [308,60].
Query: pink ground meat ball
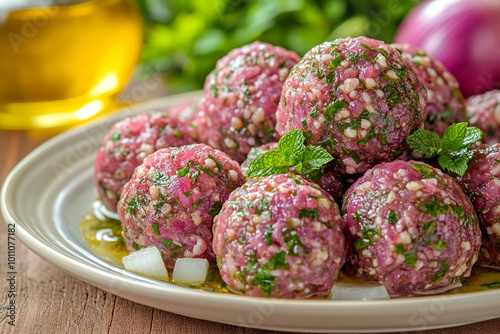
[240,97]
[412,229]
[357,97]
[484,111]
[172,199]
[327,178]
[128,143]
[279,236]
[482,182]
[445,104]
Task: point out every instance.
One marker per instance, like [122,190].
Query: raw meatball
[172,198]
[445,104]
[240,97]
[279,236]
[326,177]
[412,228]
[484,111]
[482,183]
[128,143]
[357,97]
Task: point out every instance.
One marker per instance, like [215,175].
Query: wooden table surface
[50,301]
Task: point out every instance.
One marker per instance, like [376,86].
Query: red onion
[463,34]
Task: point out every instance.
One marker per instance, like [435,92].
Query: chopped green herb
[330,78]
[370,135]
[399,249]
[310,213]
[429,226]
[220,167]
[195,175]
[115,136]
[292,240]
[160,194]
[166,243]
[187,193]
[197,203]
[160,178]
[355,156]
[336,61]
[158,205]
[426,171]
[439,274]
[155,228]
[411,258]
[439,245]
[314,112]
[392,218]
[333,108]
[184,171]
[263,205]
[268,236]
[263,277]
[368,47]
[136,246]
[206,170]
[135,203]
[214,211]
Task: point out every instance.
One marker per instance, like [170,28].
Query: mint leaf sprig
[291,153]
[452,150]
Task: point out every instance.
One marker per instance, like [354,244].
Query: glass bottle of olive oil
[64,61]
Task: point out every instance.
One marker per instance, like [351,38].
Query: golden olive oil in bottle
[64,61]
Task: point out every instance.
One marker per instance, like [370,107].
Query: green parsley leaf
[291,153]
[456,164]
[472,135]
[291,146]
[425,142]
[453,137]
[314,158]
[452,150]
[269,163]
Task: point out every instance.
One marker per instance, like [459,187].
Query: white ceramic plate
[52,188]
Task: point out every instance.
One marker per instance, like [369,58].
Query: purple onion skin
[464,35]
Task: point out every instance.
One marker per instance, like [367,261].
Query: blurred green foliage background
[185,38]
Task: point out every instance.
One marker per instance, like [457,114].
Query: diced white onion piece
[346,291]
[146,262]
[190,271]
